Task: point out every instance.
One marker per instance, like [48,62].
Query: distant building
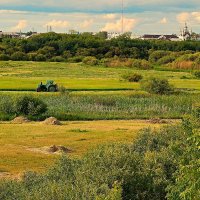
[172,37]
[112,35]
[9,34]
[185,34]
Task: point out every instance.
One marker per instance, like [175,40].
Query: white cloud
[183,17]
[57,24]
[196,16]
[129,24]
[164,20]
[86,24]
[22,24]
[110,16]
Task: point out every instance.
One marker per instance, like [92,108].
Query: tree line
[63,47]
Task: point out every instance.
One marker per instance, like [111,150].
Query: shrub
[4,57]
[197,74]
[90,60]
[18,56]
[133,77]
[62,90]
[57,59]
[118,62]
[141,64]
[32,56]
[30,106]
[156,55]
[40,57]
[157,86]
[166,60]
[75,59]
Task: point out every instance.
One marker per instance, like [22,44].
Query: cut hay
[51,150]
[20,120]
[52,121]
[159,121]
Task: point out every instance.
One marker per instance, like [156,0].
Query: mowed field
[27,75]
[98,93]
[19,142]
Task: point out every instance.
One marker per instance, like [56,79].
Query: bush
[63,90]
[57,59]
[90,60]
[117,62]
[197,74]
[157,86]
[4,57]
[166,60]
[19,56]
[40,57]
[133,77]
[75,59]
[141,64]
[156,55]
[30,106]
[32,56]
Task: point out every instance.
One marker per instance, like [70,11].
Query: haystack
[20,120]
[158,121]
[52,121]
[58,149]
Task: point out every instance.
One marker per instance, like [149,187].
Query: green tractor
[49,87]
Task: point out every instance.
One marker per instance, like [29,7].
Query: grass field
[98,93]
[27,75]
[17,139]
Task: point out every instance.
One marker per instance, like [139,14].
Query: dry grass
[17,139]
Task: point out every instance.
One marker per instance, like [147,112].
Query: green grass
[27,75]
[16,140]
[105,105]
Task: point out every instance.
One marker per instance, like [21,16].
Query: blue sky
[149,16]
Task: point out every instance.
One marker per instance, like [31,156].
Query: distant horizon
[140,17]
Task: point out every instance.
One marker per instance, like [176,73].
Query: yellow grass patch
[16,140]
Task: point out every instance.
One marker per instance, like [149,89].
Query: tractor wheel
[52,88]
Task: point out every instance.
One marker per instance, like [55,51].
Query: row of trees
[60,47]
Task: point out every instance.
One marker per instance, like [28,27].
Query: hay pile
[51,150]
[52,121]
[20,120]
[158,121]
[58,149]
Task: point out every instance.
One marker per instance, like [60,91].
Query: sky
[140,16]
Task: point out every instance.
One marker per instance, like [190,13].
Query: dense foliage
[159,164]
[62,47]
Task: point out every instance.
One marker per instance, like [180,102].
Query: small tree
[133,77]
[197,74]
[157,86]
[30,106]
[90,60]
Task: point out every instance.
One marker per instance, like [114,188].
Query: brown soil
[52,121]
[20,120]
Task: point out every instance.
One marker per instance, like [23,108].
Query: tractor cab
[48,87]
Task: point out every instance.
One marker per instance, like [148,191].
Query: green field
[27,75]
[96,93]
